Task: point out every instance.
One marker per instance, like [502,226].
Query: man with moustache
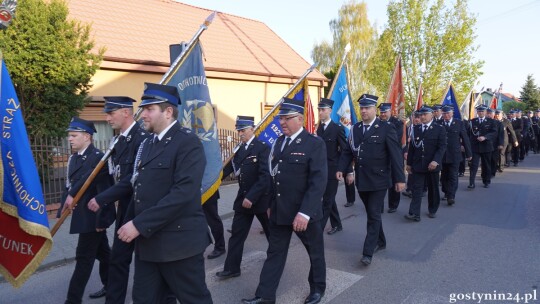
[374,146]
[482,132]
[165,217]
[424,160]
[334,138]
[456,138]
[119,112]
[250,165]
[299,173]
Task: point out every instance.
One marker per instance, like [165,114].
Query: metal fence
[51,156]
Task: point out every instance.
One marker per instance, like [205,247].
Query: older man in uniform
[424,161]
[437,114]
[299,174]
[119,111]
[456,139]
[334,138]
[498,143]
[535,120]
[379,163]
[517,124]
[250,165]
[386,115]
[482,132]
[165,216]
[92,243]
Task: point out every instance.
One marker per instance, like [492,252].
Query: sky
[507,31]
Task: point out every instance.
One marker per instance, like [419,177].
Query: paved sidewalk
[64,244]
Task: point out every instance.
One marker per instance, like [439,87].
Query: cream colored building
[248,66]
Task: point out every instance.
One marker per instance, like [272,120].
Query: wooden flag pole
[174,66]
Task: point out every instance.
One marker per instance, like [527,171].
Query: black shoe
[313,298]
[412,217]
[98,294]
[215,254]
[486,185]
[431,215]
[407,193]
[349,204]
[334,230]
[451,201]
[392,210]
[366,260]
[258,300]
[225,274]
[379,248]
[471,186]
[461,174]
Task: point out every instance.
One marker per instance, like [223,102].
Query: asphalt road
[489,242]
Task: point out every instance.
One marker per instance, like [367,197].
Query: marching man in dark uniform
[456,139]
[165,216]
[378,164]
[498,143]
[483,132]
[92,243]
[424,160]
[250,165]
[297,164]
[535,120]
[437,114]
[385,115]
[119,111]
[334,138]
[517,124]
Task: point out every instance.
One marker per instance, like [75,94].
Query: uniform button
[277,183]
[280,161]
[138,184]
[359,166]
[279,172]
[360,158]
[178,227]
[278,194]
[138,201]
[361,150]
[142,168]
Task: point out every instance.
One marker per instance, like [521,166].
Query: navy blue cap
[113,103]
[481,108]
[436,107]
[244,122]
[497,112]
[291,106]
[537,111]
[425,109]
[518,110]
[512,111]
[416,114]
[80,125]
[159,93]
[367,100]
[325,103]
[383,107]
[490,110]
[447,108]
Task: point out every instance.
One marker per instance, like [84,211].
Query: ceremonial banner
[450,99]
[270,129]
[343,109]
[396,96]
[419,99]
[25,239]
[464,108]
[196,113]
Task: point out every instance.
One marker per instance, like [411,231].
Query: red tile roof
[141,30]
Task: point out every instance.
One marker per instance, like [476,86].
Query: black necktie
[366,127]
[156,139]
[121,138]
[424,129]
[287,141]
[481,120]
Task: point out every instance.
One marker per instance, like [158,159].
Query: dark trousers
[350,192]
[185,278]
[329,205]
[516,152]
[461,169]
[210,209]
[486,167]
[434,197]
[523,147]
[373,201]
[494,161]
[121,256]
[278,248]
[240,229]
[394,198]
[449,179]
[90,246]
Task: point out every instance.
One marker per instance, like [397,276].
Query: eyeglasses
[287,118]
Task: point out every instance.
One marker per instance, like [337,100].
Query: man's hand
[516,144]
[350,179]
[93,205]
[405,155]
[481,138]
[500,147]
[468,158]
[432,165]
[339,175]
[399,187]
[408,169]
[68,204]
[128,232]
[247,203]
[300,223]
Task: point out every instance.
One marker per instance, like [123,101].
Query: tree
[441,37]
[352,26]
[509,105]
[50,61]
[530,94]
